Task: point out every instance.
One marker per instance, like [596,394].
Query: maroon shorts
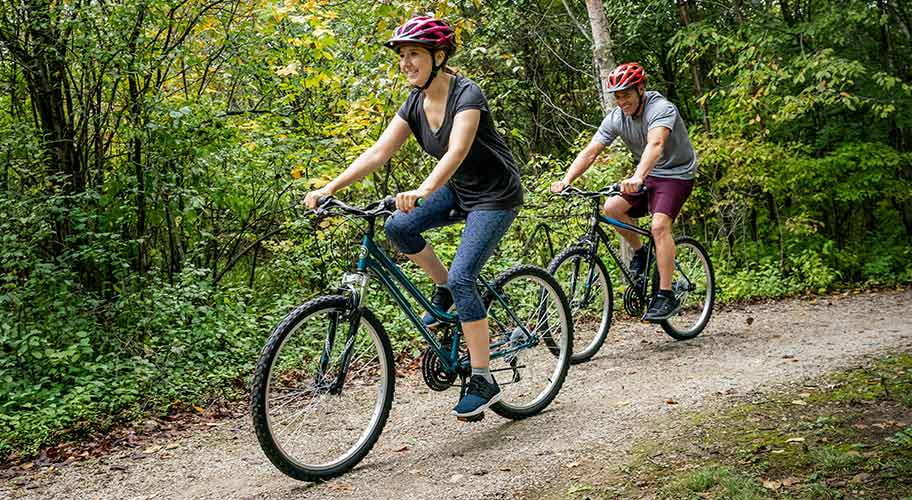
[665,196]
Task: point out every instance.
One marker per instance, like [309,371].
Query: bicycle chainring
[435,375]
[633,304]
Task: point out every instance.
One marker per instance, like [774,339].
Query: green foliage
[150,236]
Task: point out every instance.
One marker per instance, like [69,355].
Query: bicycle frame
[373,259]
[596,234]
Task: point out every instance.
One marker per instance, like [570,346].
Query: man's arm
[583,161]
[655,144]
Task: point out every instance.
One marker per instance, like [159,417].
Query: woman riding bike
[475,176]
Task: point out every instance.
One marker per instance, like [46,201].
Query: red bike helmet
[431,32]
[625,76]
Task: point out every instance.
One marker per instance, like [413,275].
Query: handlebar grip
[389,203]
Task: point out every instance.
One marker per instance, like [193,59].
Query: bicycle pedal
[473,418]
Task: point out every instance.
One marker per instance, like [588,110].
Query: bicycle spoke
[693,285]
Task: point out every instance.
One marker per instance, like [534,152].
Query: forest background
[153,152]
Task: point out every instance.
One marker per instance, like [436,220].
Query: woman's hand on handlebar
[408,200]
[313,198]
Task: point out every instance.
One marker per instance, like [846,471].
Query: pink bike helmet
[625,76]
[431,32]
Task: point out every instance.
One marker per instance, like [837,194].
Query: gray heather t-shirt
[678,160]
[488,178]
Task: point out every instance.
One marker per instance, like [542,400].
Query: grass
[847,436]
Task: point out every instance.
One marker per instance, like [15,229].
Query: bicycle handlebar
[385,206]
[611,190]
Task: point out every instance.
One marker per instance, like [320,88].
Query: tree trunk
[602,51]
[45,70]
[134,155]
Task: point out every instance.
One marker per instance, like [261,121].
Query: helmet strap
[434,68]
[642,100]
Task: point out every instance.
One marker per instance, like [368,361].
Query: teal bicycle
[324,382]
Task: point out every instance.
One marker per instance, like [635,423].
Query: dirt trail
[605,404]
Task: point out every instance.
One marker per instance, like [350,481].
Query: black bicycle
[587,284]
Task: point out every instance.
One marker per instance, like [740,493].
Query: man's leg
[668,195]
[665,248]
[617,207]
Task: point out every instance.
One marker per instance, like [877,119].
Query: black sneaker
[663,306]
[638,263]
[443,300]
[479,395]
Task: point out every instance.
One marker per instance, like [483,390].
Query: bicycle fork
[354,285]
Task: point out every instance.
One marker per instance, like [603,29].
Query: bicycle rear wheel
[314,419]
[532,375]
[588,288]
[694,284]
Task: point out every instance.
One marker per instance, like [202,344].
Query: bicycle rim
[693,285]
[532,376]
[313,429]
[588,290]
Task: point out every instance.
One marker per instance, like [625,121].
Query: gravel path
[633,388]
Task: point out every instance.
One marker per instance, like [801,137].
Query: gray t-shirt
[488,178]
[678,160]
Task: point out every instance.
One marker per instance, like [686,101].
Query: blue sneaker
[443,300]
[478,396]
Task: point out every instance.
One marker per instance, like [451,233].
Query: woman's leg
[404,230]
[483,231]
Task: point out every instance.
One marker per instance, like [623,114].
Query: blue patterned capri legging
[483,231]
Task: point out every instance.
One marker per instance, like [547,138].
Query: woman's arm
[396,133]
[465,126]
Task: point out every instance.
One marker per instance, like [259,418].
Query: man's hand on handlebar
[632,185]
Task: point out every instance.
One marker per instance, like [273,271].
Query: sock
[667,293]
[484,372]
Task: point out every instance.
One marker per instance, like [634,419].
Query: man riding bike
[652,128]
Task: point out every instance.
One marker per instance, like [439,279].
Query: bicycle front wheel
[533,372]
[694,284]
[322,390]
[588,288]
